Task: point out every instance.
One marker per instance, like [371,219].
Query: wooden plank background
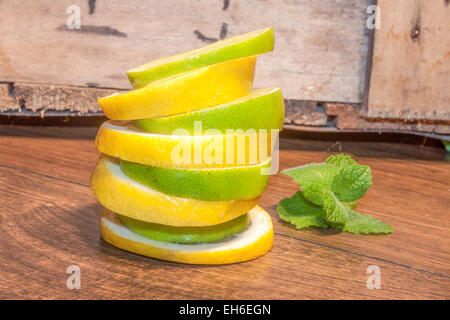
[319,55]
[411,61]
[319,59]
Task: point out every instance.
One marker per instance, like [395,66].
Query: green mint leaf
[301,213]
[341,161]
[364,224]
[314,179]
[330,193]
[351,183]
[319,173]
[351,204]
[313,192]
[335,211]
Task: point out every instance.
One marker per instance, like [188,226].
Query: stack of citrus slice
[186,156]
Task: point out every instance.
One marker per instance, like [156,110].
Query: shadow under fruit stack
[175,182]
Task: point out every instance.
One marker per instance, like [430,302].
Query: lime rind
[261,109]
[198,89]
[249,44]
[238,183]
[172,234]
[125,196]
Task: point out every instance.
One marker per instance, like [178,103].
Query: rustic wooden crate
[410,75]
[322,58]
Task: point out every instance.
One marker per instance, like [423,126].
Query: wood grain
[412,198]
[49,220]
[411,61]
[49,224]
[320,45]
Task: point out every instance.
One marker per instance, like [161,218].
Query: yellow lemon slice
[195,90]
[121,194]
[126,142]
[249,44]
[249,244]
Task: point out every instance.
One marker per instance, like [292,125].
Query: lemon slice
[249,44]
[252,243]
[246,182]
[121,194]
[261,109]
[198,89]
[126,142]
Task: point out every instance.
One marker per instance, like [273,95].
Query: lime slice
[121,194]
[236,183]
[250,244]
[249,44]
[172,234]
[261,109]
[194,90]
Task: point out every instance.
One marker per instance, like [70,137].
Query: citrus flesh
[166,233]
[124,141]
[236,183]
[261,109]
[249,244]
[198,89]
[249,44]
[119,193]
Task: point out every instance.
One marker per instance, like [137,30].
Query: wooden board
[7,100]
[44,99]
[411,61]
[350,117]
[49,220]
[35,104]
[320,45]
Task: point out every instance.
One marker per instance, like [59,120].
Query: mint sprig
[301,213]
[329,194]
[365,224]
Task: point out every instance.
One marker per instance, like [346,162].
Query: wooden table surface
[49,220]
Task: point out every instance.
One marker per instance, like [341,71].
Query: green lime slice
[261,109]
[233,183]
[166,233]
[249,44]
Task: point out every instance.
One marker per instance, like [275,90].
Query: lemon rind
[119,193]
[250,244]
[217,84]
